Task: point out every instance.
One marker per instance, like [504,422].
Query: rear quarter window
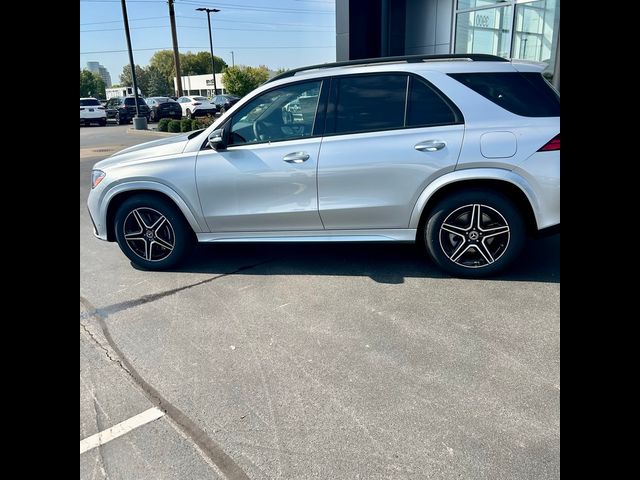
[524,93]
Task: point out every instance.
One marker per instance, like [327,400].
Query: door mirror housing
[216,139]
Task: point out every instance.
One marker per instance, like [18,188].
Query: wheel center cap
[473,235]
[149,234]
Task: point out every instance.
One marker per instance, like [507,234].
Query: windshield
[90,102]
[201,99]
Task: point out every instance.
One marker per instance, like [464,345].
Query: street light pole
[233,62]
[213,65]
[139,123]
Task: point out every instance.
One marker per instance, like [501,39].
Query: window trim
[329,130]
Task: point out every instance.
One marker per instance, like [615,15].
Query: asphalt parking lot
[314,361]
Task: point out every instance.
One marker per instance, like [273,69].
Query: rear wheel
[222,110]
[189,115]
[474,233]
[153,116]
[152,232]
[119,119]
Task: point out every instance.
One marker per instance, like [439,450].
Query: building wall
[428,26]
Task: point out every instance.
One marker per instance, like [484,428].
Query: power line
[217,28]
[256,8]
[235,47]
[217,21]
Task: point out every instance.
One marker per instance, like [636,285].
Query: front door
[265,180]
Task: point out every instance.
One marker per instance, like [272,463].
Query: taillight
[553,144]
[196,103]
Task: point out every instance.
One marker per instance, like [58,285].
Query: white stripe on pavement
[120,429]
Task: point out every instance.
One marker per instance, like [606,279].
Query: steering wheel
[259,130]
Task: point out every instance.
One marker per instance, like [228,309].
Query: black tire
[150,251]
[189,114]
[222,110]
[153,117]
[119,119]
[103,122]
[466,248]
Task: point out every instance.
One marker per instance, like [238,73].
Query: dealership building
[519,29]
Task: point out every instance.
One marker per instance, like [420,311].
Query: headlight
[96,177]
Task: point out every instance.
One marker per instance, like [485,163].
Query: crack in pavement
[211,449]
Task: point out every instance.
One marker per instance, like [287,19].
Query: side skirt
[380,235]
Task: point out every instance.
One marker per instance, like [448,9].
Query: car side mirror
[216,139]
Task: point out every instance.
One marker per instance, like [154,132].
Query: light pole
[213,65]
[139,123]
[233,63]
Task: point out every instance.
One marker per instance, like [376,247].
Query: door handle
[430,145]
[296,157]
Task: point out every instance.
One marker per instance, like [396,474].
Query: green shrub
[163,124]
[185,125]
[174,126]
[195,125]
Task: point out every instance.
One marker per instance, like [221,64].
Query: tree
[91,85]
[163,61]
[157,84]
[241,80]
[141,77]
[200,63]
[190,64]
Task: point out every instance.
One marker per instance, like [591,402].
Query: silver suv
[460,153]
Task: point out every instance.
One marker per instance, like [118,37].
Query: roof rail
[476,57]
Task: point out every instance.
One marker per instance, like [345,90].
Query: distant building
[95,67]
[200,85]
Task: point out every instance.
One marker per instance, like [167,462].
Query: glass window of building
[522,29]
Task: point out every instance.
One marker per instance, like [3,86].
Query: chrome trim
[380,235]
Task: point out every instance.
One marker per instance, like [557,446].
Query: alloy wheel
[474,236]
[149,234]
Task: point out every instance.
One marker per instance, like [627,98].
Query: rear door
[387,136]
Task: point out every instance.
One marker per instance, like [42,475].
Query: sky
[275,33]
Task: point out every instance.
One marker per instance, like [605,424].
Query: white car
[91,110]
[193,107]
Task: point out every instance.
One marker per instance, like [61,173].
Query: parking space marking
[120,429]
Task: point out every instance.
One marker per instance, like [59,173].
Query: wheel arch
[503,181]
[117,197]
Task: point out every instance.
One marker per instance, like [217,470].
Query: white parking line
[120,429]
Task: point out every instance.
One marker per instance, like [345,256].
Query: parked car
[123,109]
[92,111]
[163,107]
[458,153]
[224,102]
[193,107]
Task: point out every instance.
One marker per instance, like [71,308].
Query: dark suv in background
[224,102]
[123,109]
[163,107]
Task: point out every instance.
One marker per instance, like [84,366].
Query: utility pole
[233,63]
[139,123]
[213,65]
[176,54]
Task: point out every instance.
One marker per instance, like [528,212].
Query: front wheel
[152,232]
[189,115]
[474,233]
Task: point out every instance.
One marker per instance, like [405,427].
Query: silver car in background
[460,153]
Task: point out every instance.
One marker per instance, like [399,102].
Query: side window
[285,113]
[369,102]
[427,108]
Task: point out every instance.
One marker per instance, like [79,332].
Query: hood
[155,148]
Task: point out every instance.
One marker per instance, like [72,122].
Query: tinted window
[131,101]
[371,102]
[526,94]
[426,107]
[90,103]
[284,113]
[200,99]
